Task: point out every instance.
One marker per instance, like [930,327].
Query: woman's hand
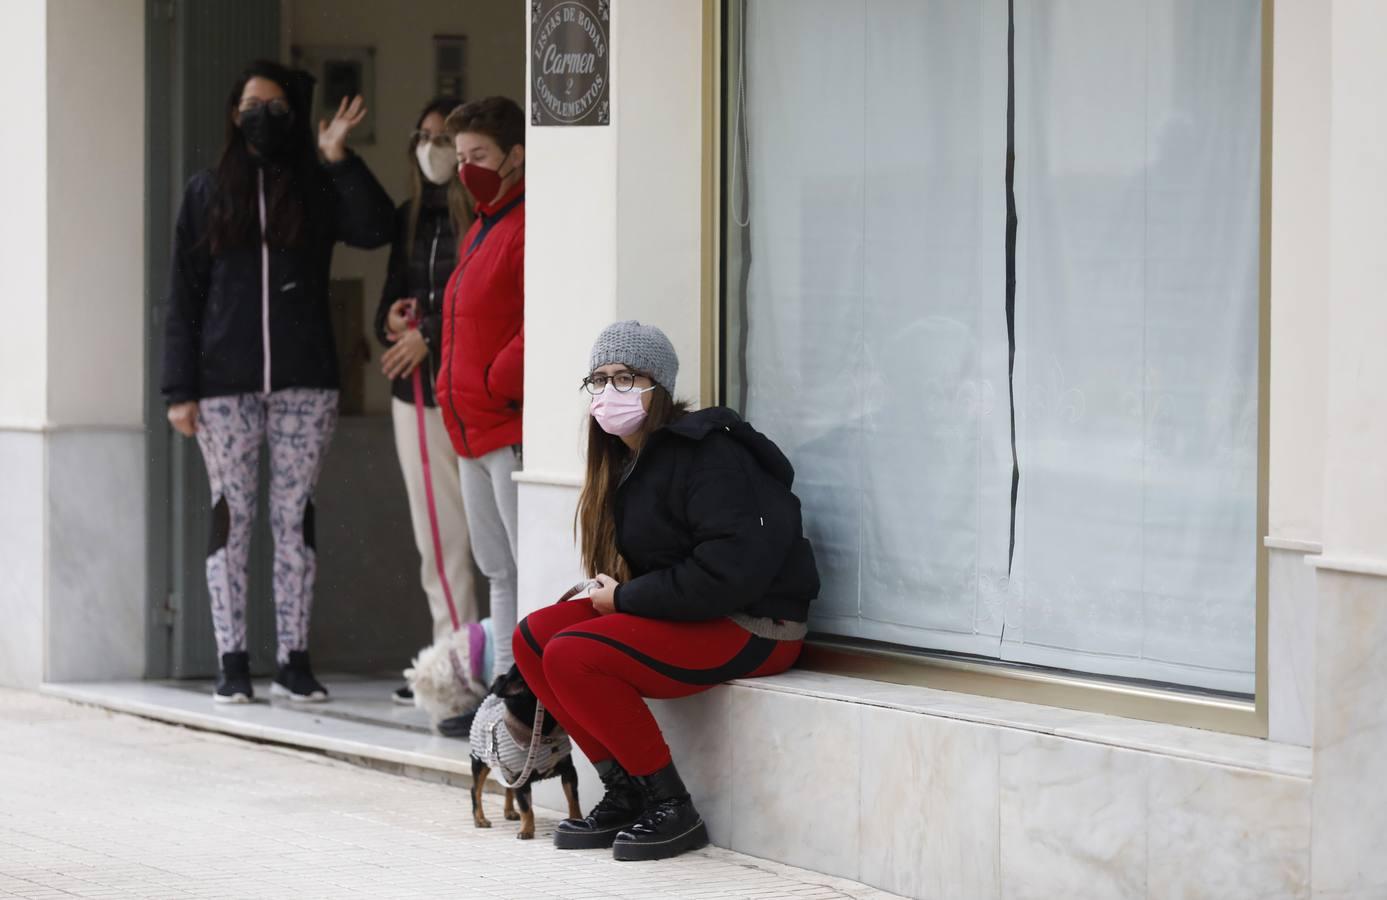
[332,136]
[397,319]
[409,351]
[604,596]
[183,418]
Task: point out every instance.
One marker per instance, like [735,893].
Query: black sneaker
[233,682]
[618,809]
[295,680]
[669,826]
[457,726]
[403,696]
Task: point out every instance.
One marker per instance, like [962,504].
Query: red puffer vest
[481,379]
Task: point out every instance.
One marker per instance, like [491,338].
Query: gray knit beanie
[642,347]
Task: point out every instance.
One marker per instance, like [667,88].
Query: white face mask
[439,164]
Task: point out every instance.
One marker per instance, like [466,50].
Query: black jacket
[707,522]
[215,336]
[422,275]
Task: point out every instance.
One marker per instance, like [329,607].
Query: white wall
[659,176]
[1299,354]
[21,557]
[72,517]
[1350,772]
[495,31]
[94,601]
[23,275]
[1299,268]
[96,155]
[613,225]
[570,272]
[1355,509]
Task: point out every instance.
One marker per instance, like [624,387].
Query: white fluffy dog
[448,677]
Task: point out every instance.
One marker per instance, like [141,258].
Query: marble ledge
[47,426]
[548,479]
[1293,545]
[1353,565]
[1231,750]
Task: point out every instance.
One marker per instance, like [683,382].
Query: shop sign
[570,56]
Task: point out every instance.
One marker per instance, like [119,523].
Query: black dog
[517,728]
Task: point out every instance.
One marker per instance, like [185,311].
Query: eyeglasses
[276,107]
[438,140]
[622,381]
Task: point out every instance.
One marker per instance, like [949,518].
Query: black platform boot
[669,826]
[295,680]
[233,682]
[617,809]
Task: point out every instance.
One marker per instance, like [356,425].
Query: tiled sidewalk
[94,804]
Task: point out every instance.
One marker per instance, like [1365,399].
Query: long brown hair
[594,523]
[458,210]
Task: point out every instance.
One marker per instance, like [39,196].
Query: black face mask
[266,131]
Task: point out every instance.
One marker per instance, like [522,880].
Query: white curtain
[873,352]
[877,344]
[1137,147]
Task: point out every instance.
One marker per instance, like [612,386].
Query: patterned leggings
[299,423]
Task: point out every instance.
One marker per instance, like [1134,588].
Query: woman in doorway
[409,321]
[481,374]
[249,351]
[690,530]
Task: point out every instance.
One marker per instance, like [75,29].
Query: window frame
[986,677]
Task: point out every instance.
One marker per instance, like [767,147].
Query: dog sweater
[503,742]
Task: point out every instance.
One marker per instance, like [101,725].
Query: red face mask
[482,183]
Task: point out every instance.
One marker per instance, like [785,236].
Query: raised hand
[332,135]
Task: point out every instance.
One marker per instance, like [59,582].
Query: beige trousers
[452,522]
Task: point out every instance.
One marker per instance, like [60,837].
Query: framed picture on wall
[341,72]
[449,65]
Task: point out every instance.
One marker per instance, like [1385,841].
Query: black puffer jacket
[708,524]
[422,275]
[216,342]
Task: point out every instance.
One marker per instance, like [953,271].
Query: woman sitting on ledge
[692,534]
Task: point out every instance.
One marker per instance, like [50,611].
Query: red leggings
[591,672]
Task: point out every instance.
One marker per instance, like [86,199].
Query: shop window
[1031,439]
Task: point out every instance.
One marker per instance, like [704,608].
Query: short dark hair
[499,118]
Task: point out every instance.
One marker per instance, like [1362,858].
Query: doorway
[370,614]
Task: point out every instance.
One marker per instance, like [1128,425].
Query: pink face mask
[617,413]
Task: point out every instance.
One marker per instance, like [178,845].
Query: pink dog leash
[476,638]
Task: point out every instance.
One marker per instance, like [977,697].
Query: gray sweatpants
[490,501]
